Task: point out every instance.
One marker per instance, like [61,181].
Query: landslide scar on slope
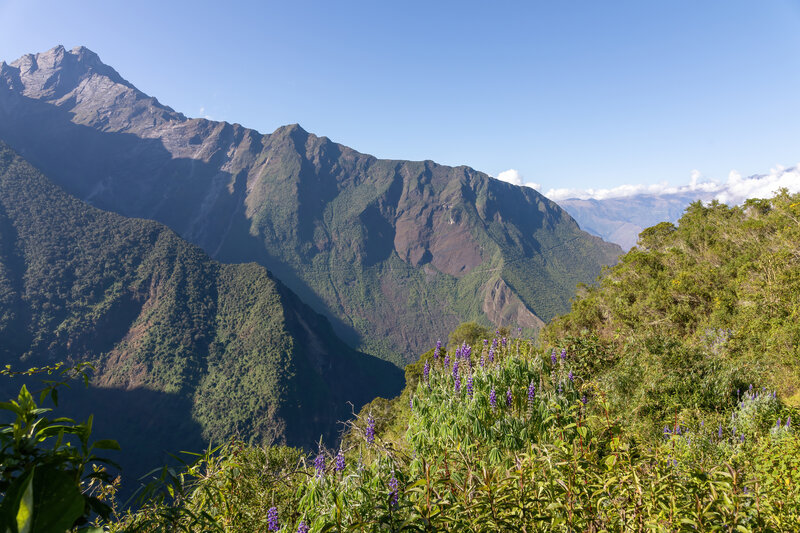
[504,308]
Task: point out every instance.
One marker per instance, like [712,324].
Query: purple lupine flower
[447,361]
[483,362]
[678,430]
[455,369]
[338,464]
[493,399]
[319,465]
[457,353]
[584,400]
[519,332]
[788,422]
[571,377]
[503,342]
[531,391]
[370,433]
[467,352]
[742,438]
[437,350]
[563,354]
[508,397]
[485,342]
[393,491]
[302,527]
[426,371]
[553,358]
[719,433]
[494,340]
[457,384]
[469,387]
[491,355]
[666,432]
[272,519]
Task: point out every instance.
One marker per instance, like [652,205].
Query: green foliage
[694,313]
[557,461]
[469,333]
[50,478]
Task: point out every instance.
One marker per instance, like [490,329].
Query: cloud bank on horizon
[735,190]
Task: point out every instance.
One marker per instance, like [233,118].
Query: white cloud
[511,176]
[733,191]
[514,177]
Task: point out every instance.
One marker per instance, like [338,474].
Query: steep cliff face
[395,253]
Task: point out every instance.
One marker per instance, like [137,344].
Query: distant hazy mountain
[186,349]
[395,253]
[620,220]
[619,215]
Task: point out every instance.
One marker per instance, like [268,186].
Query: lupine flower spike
[563,354]
[393,491]
[469,387]
[339,462]
[319,465]
[302,527]
[272,519]
[493,399]
[370,433]
[508,397]
[553,357]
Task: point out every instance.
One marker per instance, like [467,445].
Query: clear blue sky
[570,93]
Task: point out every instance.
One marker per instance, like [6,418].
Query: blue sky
[579,94]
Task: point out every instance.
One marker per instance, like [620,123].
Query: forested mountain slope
[187,350]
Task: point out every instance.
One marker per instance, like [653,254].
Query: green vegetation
[693,315]
[515,442]
[505,434]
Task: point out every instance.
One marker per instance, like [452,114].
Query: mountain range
[394,253]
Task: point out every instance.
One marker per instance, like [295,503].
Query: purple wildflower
[491,355]
[571,377]
[426,371]
[503,342]
[370,433]
[338,465]
[666,432]
[457,384]
[508,397]
[469,387]
[483,362]
[531,391]
[742,438]
[455,369]
[272,519]
[485,342]
[553,358]
[319,465]
[447,361]
[788,422]
[678,430]
[437,350]
[393,491]
[494,341]
[493,399]
[563,354]
[719,433]
[584,400]
[302,527]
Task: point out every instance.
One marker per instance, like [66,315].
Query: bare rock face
[395,253]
